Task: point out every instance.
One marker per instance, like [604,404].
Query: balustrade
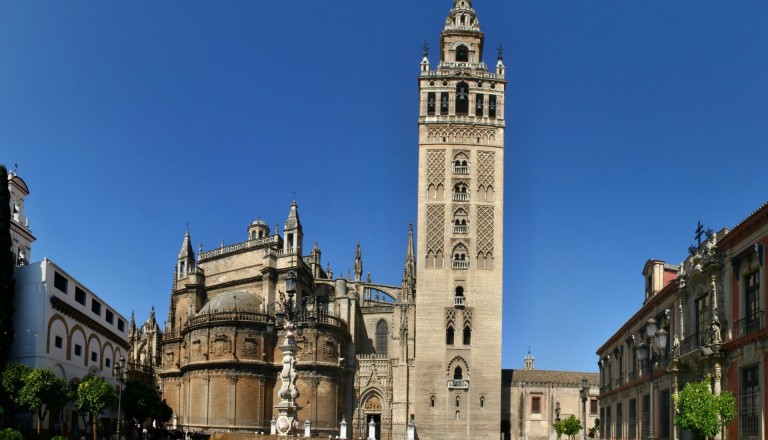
[460,229]
[460,264]
[460,197]
[458,384]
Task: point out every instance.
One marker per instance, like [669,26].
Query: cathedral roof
[231,301]
[509,377]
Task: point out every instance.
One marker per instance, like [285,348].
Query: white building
[59,323]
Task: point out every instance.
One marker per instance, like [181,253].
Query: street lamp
[651,352]
[286,313]
[584,393]
[120,374]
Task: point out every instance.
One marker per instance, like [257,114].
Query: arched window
[444,103]
[462,98]
[482,401]
[462,53]
[467,336]
[459,291]
[479,105]
[432,401]
[382,331]
[458,401]
[457,374]
[449,336]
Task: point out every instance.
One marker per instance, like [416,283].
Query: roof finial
[500,51]
[425,48]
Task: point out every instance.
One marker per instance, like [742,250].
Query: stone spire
[409,268]
[132,328]
[293,236]
[186,260]
[358,263]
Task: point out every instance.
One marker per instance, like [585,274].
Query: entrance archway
[372,409]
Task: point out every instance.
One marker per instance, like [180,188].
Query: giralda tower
[457,385]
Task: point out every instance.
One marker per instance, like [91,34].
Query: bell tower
[460,255]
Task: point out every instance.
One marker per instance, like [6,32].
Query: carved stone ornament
[221,345]
[373,403]
[196,349]
[169,358]
[329,350]
[250,347]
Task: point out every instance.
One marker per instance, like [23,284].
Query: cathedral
[424,355]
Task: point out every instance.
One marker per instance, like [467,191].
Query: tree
[142,401]
[570,427]
[93,395]
[595,430]
[7,283]
[42,391]
[11,381]
[700,411]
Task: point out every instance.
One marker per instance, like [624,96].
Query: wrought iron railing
[749,324]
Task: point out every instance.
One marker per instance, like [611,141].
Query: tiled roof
[508,377]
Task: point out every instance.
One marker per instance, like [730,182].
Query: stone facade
[460,218]
[218,365]
[533,400]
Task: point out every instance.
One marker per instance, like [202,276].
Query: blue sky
[627,122]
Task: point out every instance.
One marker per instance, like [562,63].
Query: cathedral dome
[231,301]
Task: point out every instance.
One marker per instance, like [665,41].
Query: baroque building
[217,359]
[701,320]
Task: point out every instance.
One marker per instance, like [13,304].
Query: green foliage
[571,426]
[59,437]
[701,412]
[12,380]
[595,430]
[142,401]
[92,396]
[10,434]
[43,391]
[7,263]
[559,428]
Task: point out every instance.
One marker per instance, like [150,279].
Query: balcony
[748,325]
[460,169]
[458,384]
[458,302]
[460,197]
[462,265]
[460,229]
